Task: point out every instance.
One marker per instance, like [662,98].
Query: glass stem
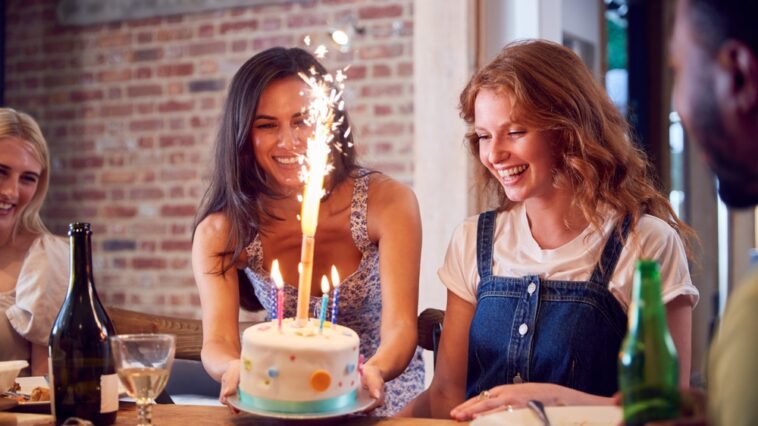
[145,414]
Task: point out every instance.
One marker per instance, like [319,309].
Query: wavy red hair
[552,89]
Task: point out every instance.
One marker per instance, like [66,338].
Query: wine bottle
[83,378]
[648,363]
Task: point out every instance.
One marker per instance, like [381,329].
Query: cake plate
[362,403]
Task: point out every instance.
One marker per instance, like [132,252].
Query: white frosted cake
[299,369]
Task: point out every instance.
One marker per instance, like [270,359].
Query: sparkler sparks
[326,97]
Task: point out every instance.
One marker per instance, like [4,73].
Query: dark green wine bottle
[648,363]
[83,378]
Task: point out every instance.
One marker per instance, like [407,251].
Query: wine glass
[143,363]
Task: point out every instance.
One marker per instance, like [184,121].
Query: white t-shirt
[516,254]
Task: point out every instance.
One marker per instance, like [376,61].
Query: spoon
[539,409]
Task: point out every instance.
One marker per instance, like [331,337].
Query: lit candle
[336,284]
[324,302]
[276,275]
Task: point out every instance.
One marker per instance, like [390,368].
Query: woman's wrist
[376,365]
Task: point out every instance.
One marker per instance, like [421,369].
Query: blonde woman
[538,289]
[33,262]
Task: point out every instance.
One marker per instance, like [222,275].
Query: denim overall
[530,329]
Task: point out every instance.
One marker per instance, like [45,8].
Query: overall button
[522,329]
[517,379]
[531,288]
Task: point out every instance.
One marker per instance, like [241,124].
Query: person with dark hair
[369,227]
[714,54]
[33,262]
[538,289]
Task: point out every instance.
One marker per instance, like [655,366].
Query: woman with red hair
[538,289]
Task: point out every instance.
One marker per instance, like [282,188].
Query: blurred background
[129,93]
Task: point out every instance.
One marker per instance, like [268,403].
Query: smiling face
[279,132]
[20,171]
[520,158]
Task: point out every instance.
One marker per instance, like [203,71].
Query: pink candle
[276,275]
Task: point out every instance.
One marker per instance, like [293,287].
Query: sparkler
[326,96]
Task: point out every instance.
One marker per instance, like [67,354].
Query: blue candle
[324,302]
[274,310]
[336,284]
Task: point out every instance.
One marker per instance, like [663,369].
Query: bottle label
[108,393]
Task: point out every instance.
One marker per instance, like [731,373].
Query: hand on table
[229,382]
[507,397]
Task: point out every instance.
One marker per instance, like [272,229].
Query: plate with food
[32,394]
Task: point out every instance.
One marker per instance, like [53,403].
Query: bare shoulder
[385,192]
[213,231]
[392,205]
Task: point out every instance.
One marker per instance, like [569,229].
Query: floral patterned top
[360,302]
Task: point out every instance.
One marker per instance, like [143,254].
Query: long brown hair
[237,181]
[552,89]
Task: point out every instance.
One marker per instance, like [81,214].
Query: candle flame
[324,284]
[276,275]
[335,277]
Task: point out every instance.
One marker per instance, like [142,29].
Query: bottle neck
[81,262]
[647,303]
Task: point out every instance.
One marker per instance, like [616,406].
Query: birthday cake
[299,369]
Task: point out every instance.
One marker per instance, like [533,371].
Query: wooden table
[193,415]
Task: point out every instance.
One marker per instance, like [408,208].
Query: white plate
[29,383]
[606,415]
[362,403]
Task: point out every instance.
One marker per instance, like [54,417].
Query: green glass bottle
[648,363]
[83,378]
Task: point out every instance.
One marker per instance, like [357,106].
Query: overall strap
[611,253]
[485,232]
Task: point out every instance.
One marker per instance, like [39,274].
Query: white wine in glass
[143,363]
[143,384]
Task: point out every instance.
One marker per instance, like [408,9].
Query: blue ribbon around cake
[321,406]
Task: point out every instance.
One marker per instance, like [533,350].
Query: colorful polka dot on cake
[273,372]
[320,380]
[247,364]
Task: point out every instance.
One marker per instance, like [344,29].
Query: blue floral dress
[360,302]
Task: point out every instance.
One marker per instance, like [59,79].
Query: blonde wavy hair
[551,89]
[15,124]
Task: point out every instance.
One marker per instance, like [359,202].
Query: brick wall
[130,111]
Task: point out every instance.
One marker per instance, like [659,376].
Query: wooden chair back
[189,332]
[430,329]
